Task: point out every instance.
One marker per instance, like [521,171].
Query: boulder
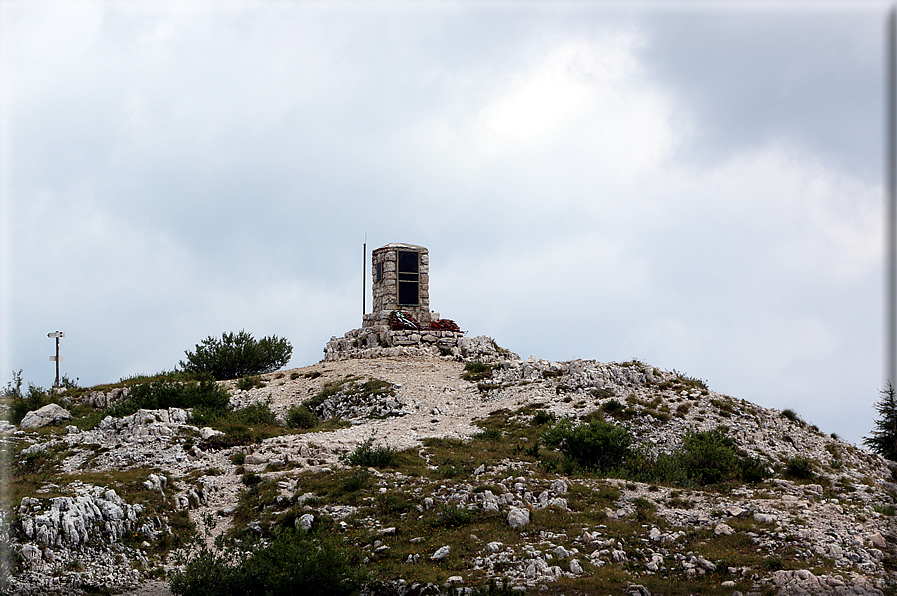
[723,530]
[559,486]
[207,432]
[306,521]
[765,518]
[517,517]
[875,540]
[441,553]
[49,414]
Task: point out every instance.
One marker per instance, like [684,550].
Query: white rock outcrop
[49,414]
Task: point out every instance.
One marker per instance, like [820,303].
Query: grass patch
[476,371]
[369,456]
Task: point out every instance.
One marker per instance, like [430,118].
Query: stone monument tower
[400,281]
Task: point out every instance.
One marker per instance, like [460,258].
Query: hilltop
[442,469]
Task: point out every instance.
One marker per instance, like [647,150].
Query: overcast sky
[697,186]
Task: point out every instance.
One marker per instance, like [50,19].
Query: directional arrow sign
[57,334]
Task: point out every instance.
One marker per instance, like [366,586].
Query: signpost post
[57,358]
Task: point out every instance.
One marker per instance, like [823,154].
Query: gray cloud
[696,189]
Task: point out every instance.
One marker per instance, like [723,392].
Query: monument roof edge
[402,245]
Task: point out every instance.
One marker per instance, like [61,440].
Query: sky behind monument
[695,185]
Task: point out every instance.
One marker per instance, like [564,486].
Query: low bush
[792,416]
[709,456]
[799,468]
[602,393]
[753,470]
[242,426]
[359,480]
[451,517]
[493,435]
[476,371]
[372,389]
[251,479]
[257,414]
[543,417]
[290,562]
[22,402]
[164,392]
[596,446]
[612,406]
[301,417]
[373,457]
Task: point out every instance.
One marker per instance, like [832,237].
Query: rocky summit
[451,470]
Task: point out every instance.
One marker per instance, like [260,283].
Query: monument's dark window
[408,262]
[409,278]
[380,271]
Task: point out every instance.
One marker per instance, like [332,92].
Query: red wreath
[444,325]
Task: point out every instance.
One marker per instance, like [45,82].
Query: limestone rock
[49,414]
[765,518]
[723,530]
[208,432]
[305,521]
[517,517]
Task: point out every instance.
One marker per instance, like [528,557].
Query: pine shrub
[238,355]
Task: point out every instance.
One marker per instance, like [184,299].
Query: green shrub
[753,470]
[449,516]
[250,479]
[449,470]
[596,445]
[709,456]
[612,406]
[792,416]
[22,402]
[602,393]
[359,480]
[371,389]
[799,468]
[492,435]
[290,562]
[663,468]
[373,457]
[772,563]
[238,458]
[238,355]
[164,393]
[242,426]
[257,414]
[543,417]
[301,417]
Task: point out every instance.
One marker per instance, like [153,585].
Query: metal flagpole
[364,287]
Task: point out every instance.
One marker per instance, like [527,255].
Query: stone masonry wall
[385,291]
[381,341]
